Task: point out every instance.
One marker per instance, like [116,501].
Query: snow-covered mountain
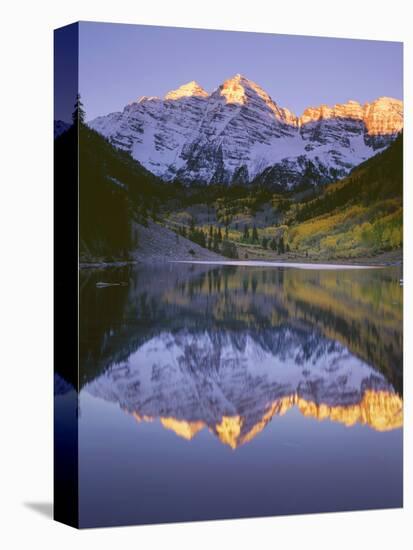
[238,133]
[234,384]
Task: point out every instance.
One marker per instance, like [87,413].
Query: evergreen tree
[229,249]
[246,235]
[219,235]
[197,236]
[78,115]
[254,234]
[281,247]
[264,243]
[215,246]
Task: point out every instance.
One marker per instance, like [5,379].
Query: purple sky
[119,63]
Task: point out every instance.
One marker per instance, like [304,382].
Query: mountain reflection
[229,349]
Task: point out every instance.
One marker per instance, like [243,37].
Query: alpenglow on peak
[187,90]
[235,90]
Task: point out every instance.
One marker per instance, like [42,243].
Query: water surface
[233,391]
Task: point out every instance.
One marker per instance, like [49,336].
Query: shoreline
[105,265]
[386,259]
[292,265]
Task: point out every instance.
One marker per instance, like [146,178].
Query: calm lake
[233,391]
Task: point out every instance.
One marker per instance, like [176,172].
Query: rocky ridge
[239,134]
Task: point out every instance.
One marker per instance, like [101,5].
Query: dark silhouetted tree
[229,249]
[281,247]
[78,115]
[254,233]
[215,246]
[246,235]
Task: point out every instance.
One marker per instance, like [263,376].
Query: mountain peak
[388,100]
[351,110]
[234,89]
[384,116]
[187,90]
[238,78]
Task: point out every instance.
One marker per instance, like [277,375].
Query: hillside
[160,244]
[115,193]
[361,214]
[358,216]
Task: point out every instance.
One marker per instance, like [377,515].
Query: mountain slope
[159,244]
[118,199]
[114,191]
[361,214]
[238,134]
